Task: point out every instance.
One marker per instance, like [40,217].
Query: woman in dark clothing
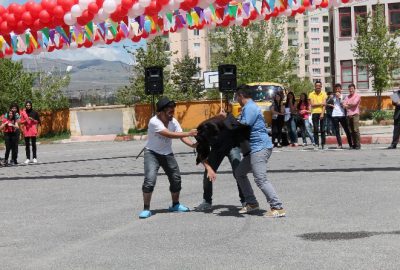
[278,115]
[15,109]
[304,110]
[10,126]
[290,117]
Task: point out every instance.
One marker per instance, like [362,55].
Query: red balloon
[126,4]
[27,18]
[58,21]
[99,3]
[93,8]
[29,50]
[301,10]
[19,10]
[2,9]
[58,12]
[44,16]
[51,48]
[9,51]
[11,7]
[1,54]
[35,9]
[4,28]
[324,4]
[12,21]
[1,19]
[37,25]
[253,15]
[49,4]
[109,41]
[274,13]
[245,22]
[20,28]
[306,3]
[28,5]
[67,4]
[222,3]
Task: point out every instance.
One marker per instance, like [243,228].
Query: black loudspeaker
[153,81]
[227,78]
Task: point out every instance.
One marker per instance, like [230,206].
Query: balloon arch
[51,25]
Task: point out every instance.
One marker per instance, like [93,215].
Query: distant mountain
[86,76]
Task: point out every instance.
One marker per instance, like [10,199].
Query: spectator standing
[328,114]
[291,114]
[278,116]
[10,126]
[30,119]
[162,128]
[396,118]
[352,105]
[317,100]
[304,110]
[339,116]
[15,109]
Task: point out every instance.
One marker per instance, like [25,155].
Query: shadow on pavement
[337,236]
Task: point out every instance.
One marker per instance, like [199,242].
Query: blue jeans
[292,130]
[306,130]
[215,159]
[152,163]
[257,163]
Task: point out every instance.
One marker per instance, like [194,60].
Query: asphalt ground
[78,207]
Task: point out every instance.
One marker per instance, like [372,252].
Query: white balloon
[287,12]
[117,2]
[84,4]
[144,3]
[109,6]
[239,20]
[317,2]
[296,6]
[73,45]
[102,14]
[76,11]
[69,19]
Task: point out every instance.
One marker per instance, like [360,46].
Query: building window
[359,12]
[326,49]
[326,39]
[196,32]
[307,57]
[314,20]
[375,6]
[316,71]
[362,76]
[306,46]
[306,68]
[325,19]
[326,29]
[314,40]
[345,22]
[326,59]
[327,70]
[197,60]
[196,46]
[305,23]
[315,50]
[394,17]
[314,30]
[316,61]
[328,80]
[346,73]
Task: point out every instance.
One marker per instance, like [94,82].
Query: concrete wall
[101,120]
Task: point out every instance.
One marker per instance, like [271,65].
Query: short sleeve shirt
[155,141]
[317,99]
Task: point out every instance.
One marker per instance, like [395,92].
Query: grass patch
[56,136]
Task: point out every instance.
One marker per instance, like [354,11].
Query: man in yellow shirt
[317,100]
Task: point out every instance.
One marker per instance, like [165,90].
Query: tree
[377,48]
[154,55]
[299,85]
[256,50]
[185,86]
[48,94]
[15,84]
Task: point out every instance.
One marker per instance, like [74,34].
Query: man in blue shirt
[256,161]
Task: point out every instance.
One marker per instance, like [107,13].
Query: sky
[113,52]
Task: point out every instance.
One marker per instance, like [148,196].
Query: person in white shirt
[162,128]
[339,116]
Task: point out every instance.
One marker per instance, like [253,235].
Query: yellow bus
[262,94]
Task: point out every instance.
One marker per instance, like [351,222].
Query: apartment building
[347,68]
[310,34]
[193,43]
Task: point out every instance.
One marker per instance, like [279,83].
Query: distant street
[78,207]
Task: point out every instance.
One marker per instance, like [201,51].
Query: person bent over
[162,128]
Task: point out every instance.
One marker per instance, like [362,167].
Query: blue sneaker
[145,214]
[178,208]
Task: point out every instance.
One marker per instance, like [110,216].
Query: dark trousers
[396,132]
[27,147]
[354,127]
[318,126]
[329,128]
[214,160]
[343,121]
[277,125]
[11,141]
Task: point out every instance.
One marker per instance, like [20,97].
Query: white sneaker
[34,160]
[27,161]
[203,206]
